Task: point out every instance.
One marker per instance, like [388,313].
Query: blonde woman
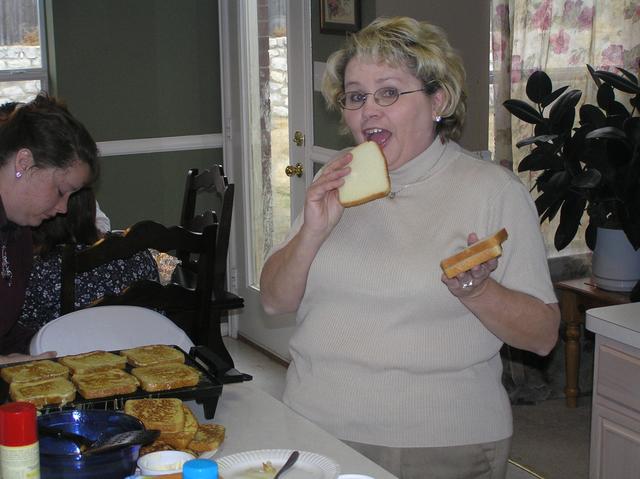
[390,355]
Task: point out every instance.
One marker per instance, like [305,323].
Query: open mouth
[379,135]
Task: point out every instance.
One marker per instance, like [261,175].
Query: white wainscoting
[158,145]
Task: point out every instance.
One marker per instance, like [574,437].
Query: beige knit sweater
[384,353]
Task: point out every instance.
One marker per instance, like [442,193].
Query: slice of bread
[34,371]
[208,438]
[41,393]
[155,446]
[102,384]
[369,176]
[181,440]
[164,377]
[479,252]
[93,361]
[165,414]
[152,354]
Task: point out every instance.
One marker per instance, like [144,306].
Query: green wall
[148,186]
[139,69]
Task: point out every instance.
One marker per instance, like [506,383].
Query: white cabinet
[615,422]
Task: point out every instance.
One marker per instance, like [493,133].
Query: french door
[267,108]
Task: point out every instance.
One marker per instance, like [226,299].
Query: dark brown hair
[77,226]
[45,126]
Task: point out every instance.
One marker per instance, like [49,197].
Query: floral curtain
[560,37]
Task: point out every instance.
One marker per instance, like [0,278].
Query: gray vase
[615,264]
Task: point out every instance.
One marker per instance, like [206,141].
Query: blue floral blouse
[42,299]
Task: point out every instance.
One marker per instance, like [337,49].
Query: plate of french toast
[178,426]
[135,373]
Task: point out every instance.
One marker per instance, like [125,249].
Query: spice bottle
[200,469]
[19,451]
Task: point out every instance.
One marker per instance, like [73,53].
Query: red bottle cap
[18,424]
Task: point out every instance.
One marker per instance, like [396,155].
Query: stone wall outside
[15,57]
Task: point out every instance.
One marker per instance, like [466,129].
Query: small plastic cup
[160,463]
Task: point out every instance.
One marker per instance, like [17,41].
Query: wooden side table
[576,296]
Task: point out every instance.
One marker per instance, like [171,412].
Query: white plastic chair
[108,328]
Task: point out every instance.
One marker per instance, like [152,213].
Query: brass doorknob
[296,169]
[298,138]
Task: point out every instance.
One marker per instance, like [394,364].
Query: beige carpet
[553,440]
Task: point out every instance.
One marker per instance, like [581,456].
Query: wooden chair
[189,306]
[214,184]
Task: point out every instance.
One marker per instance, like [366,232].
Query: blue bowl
[60,458]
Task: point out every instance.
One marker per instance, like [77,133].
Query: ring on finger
[467,284]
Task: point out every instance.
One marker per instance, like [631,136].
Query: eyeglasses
[386,96]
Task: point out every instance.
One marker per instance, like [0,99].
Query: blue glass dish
[61,457]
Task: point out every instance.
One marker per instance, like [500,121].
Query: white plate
[208,454]
[248,465]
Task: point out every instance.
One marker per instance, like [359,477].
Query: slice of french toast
[93,361]
[44,392]
[164,377]
[152,354]
[34,371]
[102,384]
[164,414]
[180,440]
[208,437]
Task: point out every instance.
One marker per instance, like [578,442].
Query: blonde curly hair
[421,48]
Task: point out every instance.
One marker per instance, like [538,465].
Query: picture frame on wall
[339,16]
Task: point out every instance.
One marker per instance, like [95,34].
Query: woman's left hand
[473,282]
[16,357]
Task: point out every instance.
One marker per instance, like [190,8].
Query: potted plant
[593,166]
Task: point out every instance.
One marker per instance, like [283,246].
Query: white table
[255,420]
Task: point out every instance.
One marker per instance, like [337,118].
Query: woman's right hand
[322,210]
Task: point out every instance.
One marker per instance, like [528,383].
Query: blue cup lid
[200,469]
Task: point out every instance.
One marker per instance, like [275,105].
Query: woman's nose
[370,107]
[61,206]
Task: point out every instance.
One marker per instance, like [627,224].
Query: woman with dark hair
[45,156]
[77,226]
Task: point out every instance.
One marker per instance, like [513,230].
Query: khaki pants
[474,461]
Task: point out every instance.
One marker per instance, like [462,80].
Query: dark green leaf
[587,179]
[570,217]
[632,130]
[605,96]
[538,86]
[558,182]
[590,235]
[629,75]
[523,111]
[549,99]
[541,128]
[563,112]
[618,82]
[539,160]
[535,139]
[607,132]
[617,113]
[592,115]
[552,211]
[592,72]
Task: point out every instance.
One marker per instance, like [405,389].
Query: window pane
[19,35]
[270,187]
[21,91]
